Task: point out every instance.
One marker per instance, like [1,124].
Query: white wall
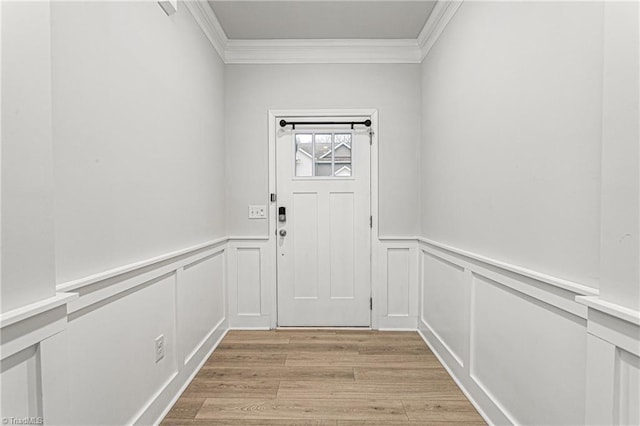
[254,89]
[137,178]
[613,356]
[620,202]
[529,184]
[27,190]
[512,116]
[138,104]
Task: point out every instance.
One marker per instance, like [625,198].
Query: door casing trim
[273,116]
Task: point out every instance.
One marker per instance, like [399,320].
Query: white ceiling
[309,19]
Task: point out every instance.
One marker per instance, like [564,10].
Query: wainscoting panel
[251,283]
[628,389]
[113,343]
[20,385]
[528,355]
[33,376]
[201,302]
[88,355]
[445,304]
[525,348]
[395,285]
[613,363]
[398,281]
[513,339]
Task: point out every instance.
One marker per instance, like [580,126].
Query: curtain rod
[284,123]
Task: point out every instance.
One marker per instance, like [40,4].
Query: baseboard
[458,382]
[397,323]
[162,403]
[496,330]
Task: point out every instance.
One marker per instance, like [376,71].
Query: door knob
[283,232]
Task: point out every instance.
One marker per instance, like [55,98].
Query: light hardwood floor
[322,377]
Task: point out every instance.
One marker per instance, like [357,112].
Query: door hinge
[371,303]
[370,138]
[370,221]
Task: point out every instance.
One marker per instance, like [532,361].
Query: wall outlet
[159,344]
[257,212]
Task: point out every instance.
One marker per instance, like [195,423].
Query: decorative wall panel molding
[395,284]
[251,281]
[102,334]
[613,363]
[503,316]
[472,311]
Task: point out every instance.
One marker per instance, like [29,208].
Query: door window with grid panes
[326,154]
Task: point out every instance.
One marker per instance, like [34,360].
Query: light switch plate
[257,212]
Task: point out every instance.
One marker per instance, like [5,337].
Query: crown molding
[208,22]
[322,51]
[354,51]
[440,16]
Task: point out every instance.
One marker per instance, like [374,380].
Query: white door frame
[274,116]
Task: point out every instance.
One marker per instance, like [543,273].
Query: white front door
[324,262]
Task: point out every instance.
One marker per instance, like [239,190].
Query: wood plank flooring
[322,377]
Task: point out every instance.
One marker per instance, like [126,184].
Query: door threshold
[312,327]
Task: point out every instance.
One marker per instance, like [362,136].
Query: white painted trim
[396,323]
[454,377]
[25,312]
[263,316]
[461,366]
[189,358]
[43,324]
[248,238]
[111,273]
[457,358]
[579,289]
[272,117]
[383,284]
[601,382]
[345,51]
[313,51]
[440,16]
[30,333]
[619,333]
[189,379]
[402,240]
[565,302]
[612,309]
[265,328]
[208,22]
[126,284]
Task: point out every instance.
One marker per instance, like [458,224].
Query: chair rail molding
[613,362]
[470,305]
[54,350]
